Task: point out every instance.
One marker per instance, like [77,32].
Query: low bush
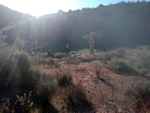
[23,104]
[72,60]
[144,57]
[53,62]
[17,76]
[145,47]
[46,87]
[39,99]
[27,78]
[45,91]
[97,67]
[121,67]
[59,55]
[119,53]
[7,73]
[65,80]
[24,64]
[81,51]
[7,66]
[143,71]
[138,93]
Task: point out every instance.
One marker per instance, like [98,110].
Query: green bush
[107,56]
[6,73]
[45,91]
[143,47]
[72,60]
[143,71]
[15,73]
[59,55]
[144,57]
[138,93]
[24,64]
[27,78]
[23,104]
[97,67]
[47,86]
[17,76]
[53,62]
[81,51]
[7,66]
[121,67]
[120,52]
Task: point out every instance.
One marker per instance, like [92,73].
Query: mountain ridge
[122,25]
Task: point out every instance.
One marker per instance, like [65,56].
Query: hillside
[122,24]
[117,81]
[36,76]
[10,17]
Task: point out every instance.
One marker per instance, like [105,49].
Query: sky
[41,7]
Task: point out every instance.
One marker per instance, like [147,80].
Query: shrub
[6,73]
[16,74]
[45,91]
[121,67]
[143,48]
[107,56]
[72,60]
[102,56]
[24,64]
[65,80]
[7,66]
[77,101]
[119,53]
[138,93]
[144,57]
[53,62]
[40,98]
[143,71]
[23,104]
[83,51]
[47,87]
[27,83]
[97,68]
[59,55]
[27,80]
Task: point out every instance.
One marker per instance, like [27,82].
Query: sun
[40,7]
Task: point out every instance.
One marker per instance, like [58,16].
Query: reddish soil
[97,91]
[106,96]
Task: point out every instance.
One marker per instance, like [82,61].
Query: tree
[97,37]
[93,35]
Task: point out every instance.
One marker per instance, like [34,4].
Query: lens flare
[40,7]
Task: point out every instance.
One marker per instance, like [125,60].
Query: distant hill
[9,16]
[122,24]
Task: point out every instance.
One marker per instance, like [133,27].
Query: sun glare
[40,7]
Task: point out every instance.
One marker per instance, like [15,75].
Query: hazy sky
[41,7]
